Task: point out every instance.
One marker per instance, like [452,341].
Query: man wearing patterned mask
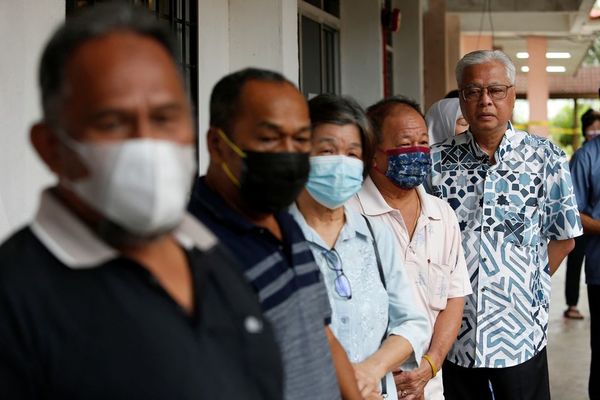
[515,204]
[114,292]
[426,235]
[259,142]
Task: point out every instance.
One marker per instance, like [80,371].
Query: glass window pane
[332,7]
[311,56]
[316,3]
[331,65]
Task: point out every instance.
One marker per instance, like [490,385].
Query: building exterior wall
[408,50]
[24,27]
[361,50]
[233,34]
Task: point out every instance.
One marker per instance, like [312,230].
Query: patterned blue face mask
[334,179]
[408,166]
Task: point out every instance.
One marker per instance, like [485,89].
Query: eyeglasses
[496,92]
[342,284]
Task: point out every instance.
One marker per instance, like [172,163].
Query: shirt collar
[78,247]
[373,203]
[371,200]
[509,141]
[354,225]
[428,209]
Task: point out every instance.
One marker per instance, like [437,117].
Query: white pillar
[408,50]
[361,50]
[537,86]
[25,26]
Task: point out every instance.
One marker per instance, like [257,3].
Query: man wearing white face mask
[113,291]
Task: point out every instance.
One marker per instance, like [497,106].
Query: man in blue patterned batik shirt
[514,200]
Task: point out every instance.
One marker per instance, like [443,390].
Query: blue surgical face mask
[334,179]
[408,166]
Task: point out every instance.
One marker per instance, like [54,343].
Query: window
[319,47]
[182,18]
[388,50]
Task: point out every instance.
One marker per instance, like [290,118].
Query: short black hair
[588,118]
[92,23]
[343,110]
[225,95]
[452,94]
[378,111]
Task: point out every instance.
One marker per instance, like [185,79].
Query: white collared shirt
[78,247]
[433,258]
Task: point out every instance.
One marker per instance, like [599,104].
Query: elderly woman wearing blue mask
[373,312]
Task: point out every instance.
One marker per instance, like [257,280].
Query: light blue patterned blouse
[359,323]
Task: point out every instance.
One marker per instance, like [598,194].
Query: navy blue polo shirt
[80,321]
[289,286]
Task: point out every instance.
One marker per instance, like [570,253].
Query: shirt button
[483,289]
[344,320]
[253,324]
[486,228]
[484,259]
[489,202]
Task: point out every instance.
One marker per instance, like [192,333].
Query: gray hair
[92,23]
[482,57]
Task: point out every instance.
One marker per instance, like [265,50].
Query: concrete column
[452,50]
[213,63]
[408,50]
[361,50]
[25,26]
[537,86]
[264,33]
[434,37]
[469,43]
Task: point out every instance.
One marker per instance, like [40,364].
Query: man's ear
[47,145]
[213,143]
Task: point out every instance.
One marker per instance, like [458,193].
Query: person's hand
[411,384]
[367,380]
[374,396]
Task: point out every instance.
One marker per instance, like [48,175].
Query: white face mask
[591,134]
[142,185]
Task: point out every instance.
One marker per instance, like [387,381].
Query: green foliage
[593,54]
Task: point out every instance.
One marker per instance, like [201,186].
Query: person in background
[259,142]
[590,128]
[514,200]
[373,313]
[114,291]
[426,235]
[585,167]
[444,119]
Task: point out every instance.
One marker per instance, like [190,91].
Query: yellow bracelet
[434,369]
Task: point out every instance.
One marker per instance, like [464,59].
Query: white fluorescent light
[555,68]
[550,54]
[525,68]
[558,54]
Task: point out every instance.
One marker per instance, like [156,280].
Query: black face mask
[270,182]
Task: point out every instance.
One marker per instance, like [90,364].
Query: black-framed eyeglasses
[496,92]
[342,284]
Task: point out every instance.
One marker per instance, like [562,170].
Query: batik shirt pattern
[507,212]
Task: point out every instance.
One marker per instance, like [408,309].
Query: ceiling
[565,23]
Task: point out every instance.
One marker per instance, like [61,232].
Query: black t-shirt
[112,332]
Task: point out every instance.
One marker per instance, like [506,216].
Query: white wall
[361,50]
[236,34]
[25,25]
[408,50]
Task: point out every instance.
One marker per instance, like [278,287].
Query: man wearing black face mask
[259,140]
